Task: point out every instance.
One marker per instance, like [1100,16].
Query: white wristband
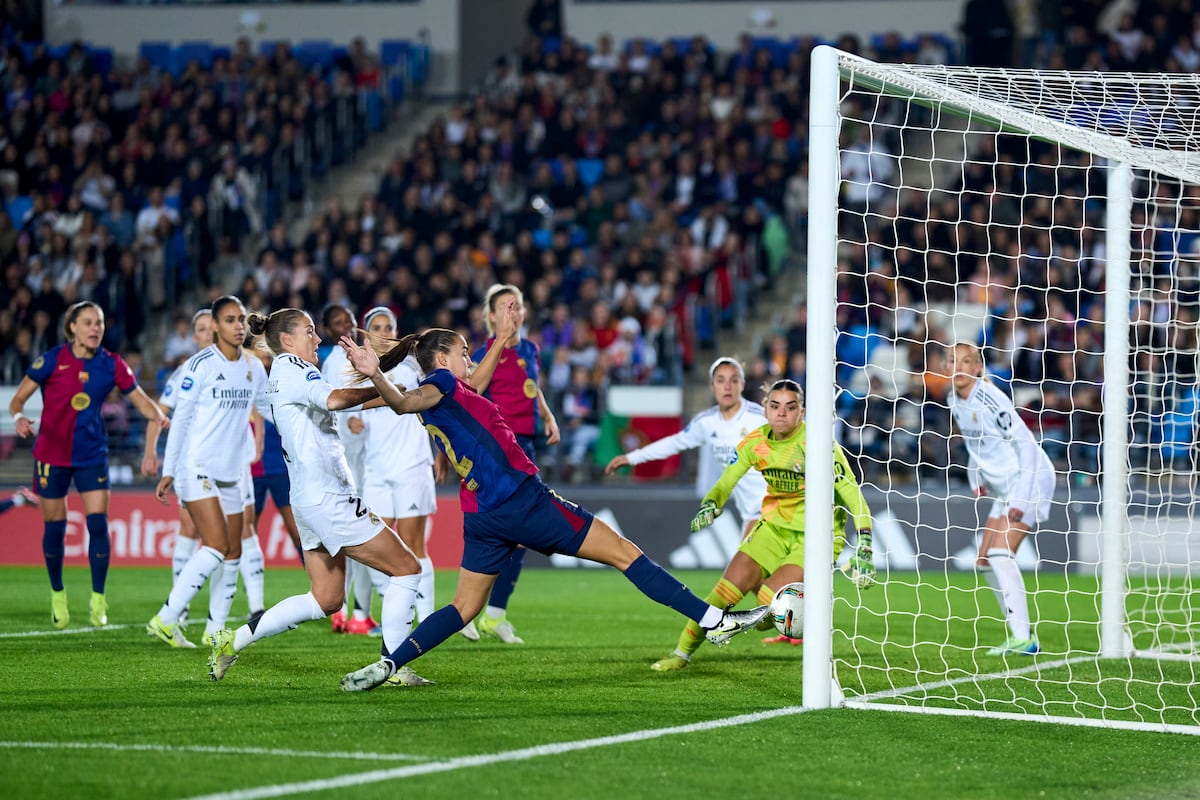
[17,417]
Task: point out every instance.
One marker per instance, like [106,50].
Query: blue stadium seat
[102,59]
[394,52]
[159,54]
[543,239]
[187,52]
[222,52]
[18,207]
[590,170]
[551,44]
[315,53]
[267,48]
[28,50]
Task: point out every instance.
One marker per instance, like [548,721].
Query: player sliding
[772,556]
[1007,463]
[505,503]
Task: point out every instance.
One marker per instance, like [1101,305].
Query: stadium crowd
[639,193]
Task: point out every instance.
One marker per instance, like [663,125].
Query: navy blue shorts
[280,487]
[535,516]
[53,482]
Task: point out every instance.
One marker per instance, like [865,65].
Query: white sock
[192,577]
[494,612]
[994,581]
[711,617]
[184,547]
[397,609]
[283,616]
[425,592]
[252,572]
[220,596]
[379,580]
[1016,605]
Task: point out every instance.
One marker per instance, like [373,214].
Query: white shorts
[412,493]
[1031,495]
[339,520]
[191,487]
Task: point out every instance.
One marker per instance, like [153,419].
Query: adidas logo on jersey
[220,377]
[413,507]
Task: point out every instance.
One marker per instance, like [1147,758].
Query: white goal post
[953,204]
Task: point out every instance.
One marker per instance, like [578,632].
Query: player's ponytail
[399,351]
[282,321]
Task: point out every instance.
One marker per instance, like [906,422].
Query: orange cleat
[781,639]
[361,627]
[337,621]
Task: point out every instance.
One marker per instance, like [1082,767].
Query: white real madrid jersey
[717,439]
[296,396]
[212,415]
[396,442]
[171,390]
[1000,446]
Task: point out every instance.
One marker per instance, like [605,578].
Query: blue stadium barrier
[102,59]
[29,50]
[551,44]
[187,52]
[315,53]
[222,52]
[159,54]
[394,52]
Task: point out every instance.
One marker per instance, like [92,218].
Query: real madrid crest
[206,485]
[248,376]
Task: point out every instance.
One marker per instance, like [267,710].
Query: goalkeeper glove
[705,516]
[861,567]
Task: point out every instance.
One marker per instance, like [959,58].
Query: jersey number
[462,466]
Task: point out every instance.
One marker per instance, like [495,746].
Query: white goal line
[1082,722]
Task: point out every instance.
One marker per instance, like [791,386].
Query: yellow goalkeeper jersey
[782,463]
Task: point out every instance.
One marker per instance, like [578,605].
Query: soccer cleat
[361,627]
[222,656]
[337,621]
[167,633]
[470,632]
[207,638]
[59,615]
[406,677]
[98,610]
[367,678]
[781,639]
[501,628]
[735,622]
[1016,647]
[670,663]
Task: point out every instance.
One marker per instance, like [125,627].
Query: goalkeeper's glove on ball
[861,567]
[705,516]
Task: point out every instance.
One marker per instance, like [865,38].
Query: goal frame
[819,684]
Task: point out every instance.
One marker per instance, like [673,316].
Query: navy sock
[662,587]
[5,505]
[98,549]
[440,626]
[506,581]
[54,534]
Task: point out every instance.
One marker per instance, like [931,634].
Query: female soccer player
[717,432]
[516,390]
[398,482]
[72,445]
[505,504]
[772,556]
[269,474]
[333,520]
[1006,462]
[185,538]
[207,465]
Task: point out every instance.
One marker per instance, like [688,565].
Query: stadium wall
[125,27]
[723,22]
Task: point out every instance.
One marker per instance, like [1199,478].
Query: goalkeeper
[772,555]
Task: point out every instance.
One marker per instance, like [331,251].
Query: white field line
[466,762]
[1082,722]
[90,629]
[990,676]
[218,750]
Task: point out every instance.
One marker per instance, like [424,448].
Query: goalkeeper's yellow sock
[723,594]
[765,595]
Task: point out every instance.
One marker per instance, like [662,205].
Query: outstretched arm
[365,361]
[508,322]
[16,406]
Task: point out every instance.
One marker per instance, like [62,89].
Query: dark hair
[786,385]
[282,321]
[73,313]
[222,301]
[333,308]
[425,346]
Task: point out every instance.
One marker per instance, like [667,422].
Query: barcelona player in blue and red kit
[515,388]
[72,445]
[505,503]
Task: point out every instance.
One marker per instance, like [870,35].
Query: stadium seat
[315,53]
[590,170]
[551,44]
[222,52]
[102,59]
[394,52]
[29,50]
[543,239]
[187,52]
[18,207]
[159,54]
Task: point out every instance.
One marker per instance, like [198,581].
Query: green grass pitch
[576,712]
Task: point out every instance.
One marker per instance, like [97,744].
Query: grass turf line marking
[69,631]
[989,676]
[464,762]
[1082,722]
[219,750]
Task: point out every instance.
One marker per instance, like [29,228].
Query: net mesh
[972,209]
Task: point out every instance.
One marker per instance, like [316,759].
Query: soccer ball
[787,610]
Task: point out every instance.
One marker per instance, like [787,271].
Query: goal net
[1051,219]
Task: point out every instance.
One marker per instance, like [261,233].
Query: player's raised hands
[362,356]
[508,319]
